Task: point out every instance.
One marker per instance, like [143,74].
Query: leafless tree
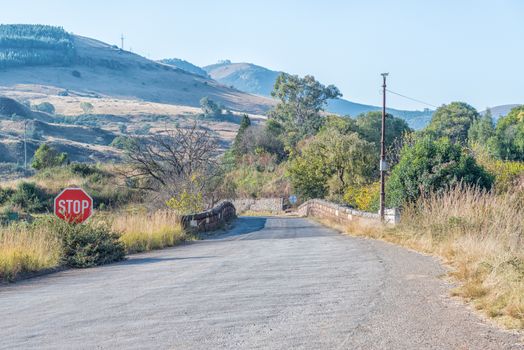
[175,160]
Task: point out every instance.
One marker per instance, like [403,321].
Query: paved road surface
[271,283]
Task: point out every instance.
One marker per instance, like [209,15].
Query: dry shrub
[27,248]
[146,231]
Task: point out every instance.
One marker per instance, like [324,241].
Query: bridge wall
[211,219]
[342,214]
[272,205]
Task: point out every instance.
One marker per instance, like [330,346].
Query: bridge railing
[211,219]
[343,214]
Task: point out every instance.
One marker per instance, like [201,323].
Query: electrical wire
[412,99]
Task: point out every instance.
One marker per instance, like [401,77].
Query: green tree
[87,107]
[300,102]
[370,124]
[429,166]
[481,131]
[47,157]
[210,108]
[245,122]
[509,135]
[453,121]
[329,162]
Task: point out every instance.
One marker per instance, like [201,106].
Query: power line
[412,99]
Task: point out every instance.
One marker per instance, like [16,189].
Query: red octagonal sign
[73,205]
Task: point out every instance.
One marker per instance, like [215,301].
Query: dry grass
[479,235]
[27,248]
[141,231]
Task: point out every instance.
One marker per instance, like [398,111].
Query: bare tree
[179,160]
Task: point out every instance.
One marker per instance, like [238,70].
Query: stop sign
[73,205]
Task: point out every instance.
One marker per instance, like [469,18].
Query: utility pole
[25,146]
[122,41]
[383,164]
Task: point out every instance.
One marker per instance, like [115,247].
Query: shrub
[5,194]
[86,107]
[364,198]
[45,107]
[47,157]
[432,166]
[30,198]
[76,74]
[88,244]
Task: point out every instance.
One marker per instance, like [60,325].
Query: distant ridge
[185,65]
[259,80]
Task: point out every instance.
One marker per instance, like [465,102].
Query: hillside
[500,111]
[185,66]
[97,69]
[258,80]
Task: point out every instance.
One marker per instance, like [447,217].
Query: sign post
[73,205]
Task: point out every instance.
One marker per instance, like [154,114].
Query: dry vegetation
[34,247]
[141,231]
[27,248]
[480,235]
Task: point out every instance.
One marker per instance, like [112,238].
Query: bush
[5,194]
[45,107]
[87,245]
[30,198]
[47,157]
[432,166]
[76,74]
[364,198]
[83,169]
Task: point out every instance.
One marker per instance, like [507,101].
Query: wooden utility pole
[25,146]
[383,165]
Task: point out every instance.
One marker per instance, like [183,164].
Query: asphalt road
[271,283]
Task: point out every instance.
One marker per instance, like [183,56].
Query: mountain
[500,111]
[246,77]
[36,56]
[258,80]
[185,66]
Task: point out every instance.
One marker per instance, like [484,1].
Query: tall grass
[480,235]
[142,231]
[27,248]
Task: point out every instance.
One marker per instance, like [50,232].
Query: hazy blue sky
[435,50]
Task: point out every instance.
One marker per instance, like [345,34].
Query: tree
[452,121]
[330,162]
[509,135]
[432,166]
[481,131]
[45,107]
[301,101]
[87,107]
[47,157]
[369,126]
[210,109]
[174,164]
[245,122]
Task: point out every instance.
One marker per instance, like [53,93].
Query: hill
[258,80]
[500,111]
[35,56]
[185,66]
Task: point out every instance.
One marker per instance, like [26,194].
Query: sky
[436,51]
